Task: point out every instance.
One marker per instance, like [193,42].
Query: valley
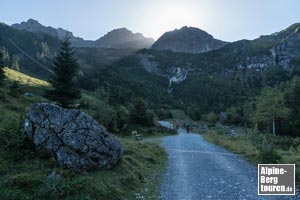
[127,83]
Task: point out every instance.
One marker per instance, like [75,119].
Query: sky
[228,20]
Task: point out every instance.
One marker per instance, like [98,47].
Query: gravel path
[199,170]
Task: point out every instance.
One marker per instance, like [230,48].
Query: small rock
[54,176]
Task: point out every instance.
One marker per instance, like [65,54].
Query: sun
[171,15]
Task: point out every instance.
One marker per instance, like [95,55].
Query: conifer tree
[65,68]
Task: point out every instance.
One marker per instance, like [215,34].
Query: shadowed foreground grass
[137,175]
[24,173]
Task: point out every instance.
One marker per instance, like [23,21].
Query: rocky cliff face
[287,51]
[188,40]
[280,49]
[124,38]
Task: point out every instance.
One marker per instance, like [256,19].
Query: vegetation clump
[65,69]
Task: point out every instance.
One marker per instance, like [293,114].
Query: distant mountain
[124,38]
[31,53]
[236,69]
[281,49]
[35,27]
[118,38]
[188,40]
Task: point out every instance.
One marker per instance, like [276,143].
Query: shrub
[296,142]
[140,115]
[211,118]
[10,129]
[105,115]
[15,90]
[264,144]
[164,114]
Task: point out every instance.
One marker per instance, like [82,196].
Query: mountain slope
[33,53]
[24,79]
[188,40]
[29,52]
[281,49]
[127,78]
[227,76]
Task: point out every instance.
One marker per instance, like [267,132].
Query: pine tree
[2,75]
[65,68]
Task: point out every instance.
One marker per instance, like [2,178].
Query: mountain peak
[189,40]
[32,21]
[123,29]
[34,26]
[124,38]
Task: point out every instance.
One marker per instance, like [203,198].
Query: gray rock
[54,176]
[75,139]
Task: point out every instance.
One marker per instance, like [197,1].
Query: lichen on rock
[75,139]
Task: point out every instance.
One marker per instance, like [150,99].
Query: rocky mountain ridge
[281,49]
[118,38]
[188,40]
[124,38]
[34,26]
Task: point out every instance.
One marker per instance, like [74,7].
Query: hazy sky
[228,20]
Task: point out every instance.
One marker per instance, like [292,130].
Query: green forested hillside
[27,52]
[126,80]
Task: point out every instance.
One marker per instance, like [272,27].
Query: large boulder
[75,139]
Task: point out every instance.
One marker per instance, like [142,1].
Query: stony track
[199,170]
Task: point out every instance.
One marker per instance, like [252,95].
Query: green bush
[139,114]
[105,114]
[15,90]
[264,144]
[211,118]
[10,129]
[296,142]
[164,114]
